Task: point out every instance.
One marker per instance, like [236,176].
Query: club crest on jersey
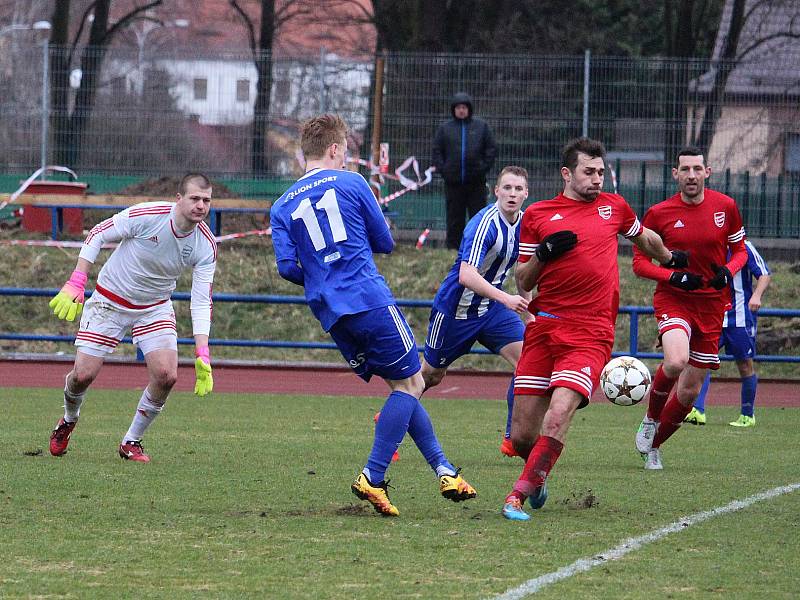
[605,212]
[186,252]
[719,219]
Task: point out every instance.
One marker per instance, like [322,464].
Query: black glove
[722,277]
[686,281]
[556,244]
[679,260]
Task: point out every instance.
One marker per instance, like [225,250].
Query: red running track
[331,381]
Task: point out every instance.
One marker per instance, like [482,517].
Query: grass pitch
[248,497]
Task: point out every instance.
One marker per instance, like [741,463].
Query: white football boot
[645,435]
[653,460]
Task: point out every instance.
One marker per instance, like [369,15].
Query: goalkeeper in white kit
[157,241]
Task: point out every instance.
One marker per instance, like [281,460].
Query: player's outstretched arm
[651,244]
[648,245]
[204,381]
[469,277]
[526,274]
[762,283]
[68,303]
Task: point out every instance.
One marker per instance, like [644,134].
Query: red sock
[671,419]
[528,452]
[538,466]
[662,386]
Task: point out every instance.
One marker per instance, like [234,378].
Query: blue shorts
[450,338]
[377,342]
[740,342]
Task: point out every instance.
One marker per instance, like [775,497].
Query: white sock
[444,470]
[146,413]
[72,403]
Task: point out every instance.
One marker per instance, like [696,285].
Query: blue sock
[749,385]
[389,432]
[700,403]
[510,403]
[421,431]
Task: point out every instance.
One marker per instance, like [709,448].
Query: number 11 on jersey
[328,203]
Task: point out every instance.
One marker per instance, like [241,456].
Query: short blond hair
[513,170]
[319,133]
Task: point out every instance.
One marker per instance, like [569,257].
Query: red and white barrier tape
[76,244]
[377,178]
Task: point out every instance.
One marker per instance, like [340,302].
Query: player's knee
[745,367]
[416,385]
[523,442]
[81,378]
[433,378]
[165,378]
[674,365]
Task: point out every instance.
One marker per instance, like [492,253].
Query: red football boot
[133,451]
[59,439]
[507,448]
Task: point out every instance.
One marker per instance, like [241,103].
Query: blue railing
[633,331]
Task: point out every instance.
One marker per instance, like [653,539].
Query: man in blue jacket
[463,152]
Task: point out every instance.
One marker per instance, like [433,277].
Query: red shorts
[557,353]
[700,317]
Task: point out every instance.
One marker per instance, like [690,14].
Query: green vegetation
[247,497]
[247,266]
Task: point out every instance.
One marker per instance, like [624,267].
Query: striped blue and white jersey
[740,314]
[491,245]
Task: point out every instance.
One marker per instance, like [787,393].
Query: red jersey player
[568,248]
[689,305]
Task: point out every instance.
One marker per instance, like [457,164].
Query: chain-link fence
[124,114]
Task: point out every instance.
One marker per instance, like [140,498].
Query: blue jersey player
[325,229]
[739,336]
[471,305]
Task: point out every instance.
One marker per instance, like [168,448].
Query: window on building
[792,153]
[200,89]
[242,90]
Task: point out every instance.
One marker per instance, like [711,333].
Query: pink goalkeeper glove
[68,303]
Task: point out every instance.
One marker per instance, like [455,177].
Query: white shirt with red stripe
[583,284]
[144,269]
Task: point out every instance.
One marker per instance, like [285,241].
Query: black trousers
[460,199]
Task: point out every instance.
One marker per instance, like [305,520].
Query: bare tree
[69,128]
[767,23]
[683,32]
[272,16]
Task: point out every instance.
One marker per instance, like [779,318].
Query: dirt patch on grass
[353,510]
[167,187]
[581,500]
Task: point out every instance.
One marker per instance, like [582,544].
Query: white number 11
[306,212]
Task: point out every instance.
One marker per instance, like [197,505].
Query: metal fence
[160,112]
[633,346]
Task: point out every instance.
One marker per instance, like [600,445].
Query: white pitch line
[532,586]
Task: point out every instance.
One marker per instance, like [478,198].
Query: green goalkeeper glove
[68,303]
[204,382]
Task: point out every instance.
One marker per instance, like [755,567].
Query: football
[625,380]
